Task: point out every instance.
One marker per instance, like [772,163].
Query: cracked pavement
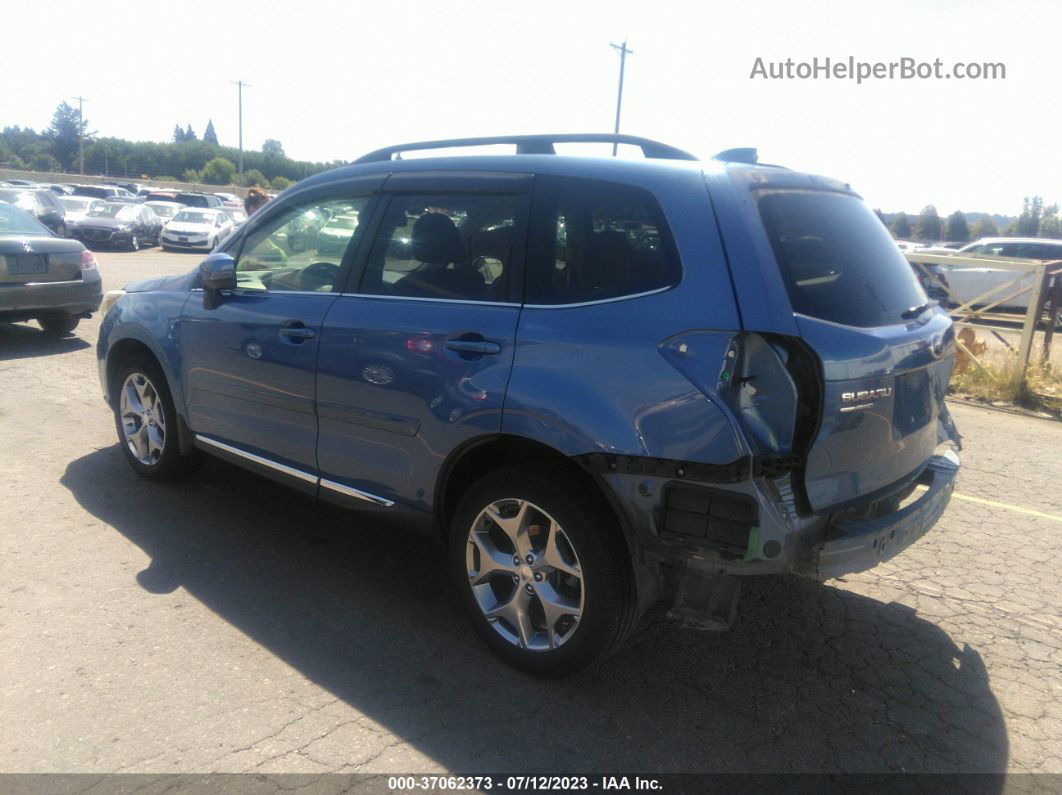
[227,624]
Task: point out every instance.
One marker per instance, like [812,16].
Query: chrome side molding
[349,491]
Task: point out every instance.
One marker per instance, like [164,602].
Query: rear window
[594,241]
[838,261]
[192,200]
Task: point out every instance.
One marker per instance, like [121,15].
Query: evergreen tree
[271,146]
[901,227]
[1028,223]
[63,134]
[178,134]
[1050,225]
[209,136]
[929,226]
[189,134]
[958,231]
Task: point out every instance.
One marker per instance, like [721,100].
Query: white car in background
[165,210]
[77,208]
[196,229]
[968,283]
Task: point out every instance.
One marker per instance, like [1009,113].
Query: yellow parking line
[1015,508]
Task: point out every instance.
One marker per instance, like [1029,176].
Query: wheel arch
[477,457]
[131,347]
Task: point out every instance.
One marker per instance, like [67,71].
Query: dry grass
[999,379]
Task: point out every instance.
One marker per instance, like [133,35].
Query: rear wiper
[915,311]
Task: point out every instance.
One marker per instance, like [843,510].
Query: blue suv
[611,383]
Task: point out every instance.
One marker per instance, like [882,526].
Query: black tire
[62,230]
[606,586]
[58,325]
[134,242]
[170,463]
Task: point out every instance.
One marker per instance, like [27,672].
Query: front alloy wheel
[143,419]
[524,574]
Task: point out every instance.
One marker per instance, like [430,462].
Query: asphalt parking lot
[227,624]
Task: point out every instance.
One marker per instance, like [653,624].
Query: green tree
[958,231]
[190,175]
[901,226]
[219,171]
[63,134]
[929,226]
[209,136]
[986,227]
[189,134]
[271,146]
[280,183]
[42,161]
[254,178]
[178,134]
[1028,223]
[1050,225]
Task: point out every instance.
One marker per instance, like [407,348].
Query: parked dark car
[203,200]
[43,277]
[100,191]
[608,383]
[41,204]
[123,225]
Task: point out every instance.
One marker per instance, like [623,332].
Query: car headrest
[436,239]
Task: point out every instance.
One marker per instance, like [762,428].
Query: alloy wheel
[143,419]
[525,575]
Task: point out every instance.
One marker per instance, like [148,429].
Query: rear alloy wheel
[58,325]
[146,421]
[540,570]
[134,242]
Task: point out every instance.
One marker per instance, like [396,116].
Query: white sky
[335,79]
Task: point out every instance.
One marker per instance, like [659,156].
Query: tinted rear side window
[596,240]
[838,261]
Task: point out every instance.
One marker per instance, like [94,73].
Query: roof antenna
[746,154]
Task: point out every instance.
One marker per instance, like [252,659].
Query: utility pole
[624,52]
[241,86]
[80,136]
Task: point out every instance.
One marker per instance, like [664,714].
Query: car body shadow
[812,679]
[21,341]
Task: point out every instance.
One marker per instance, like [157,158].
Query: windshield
[16,222]
[192,217]
[162,210]
[125,212]
[74,205]
[839,262]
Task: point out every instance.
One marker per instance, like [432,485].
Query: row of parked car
[115,215]
[963,283]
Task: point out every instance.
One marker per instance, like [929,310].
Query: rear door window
[838,261]
[449,246]
[595,240]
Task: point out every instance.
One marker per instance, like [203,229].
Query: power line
[80,135]
[241,86]
[624,52]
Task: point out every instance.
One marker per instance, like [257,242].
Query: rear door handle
[297,330]
[479,347]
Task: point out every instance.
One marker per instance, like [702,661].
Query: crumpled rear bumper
[854,545]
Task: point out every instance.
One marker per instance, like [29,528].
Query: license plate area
[26,264]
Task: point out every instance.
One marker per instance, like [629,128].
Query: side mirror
[216,273]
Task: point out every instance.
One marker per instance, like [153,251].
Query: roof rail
[534,145]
